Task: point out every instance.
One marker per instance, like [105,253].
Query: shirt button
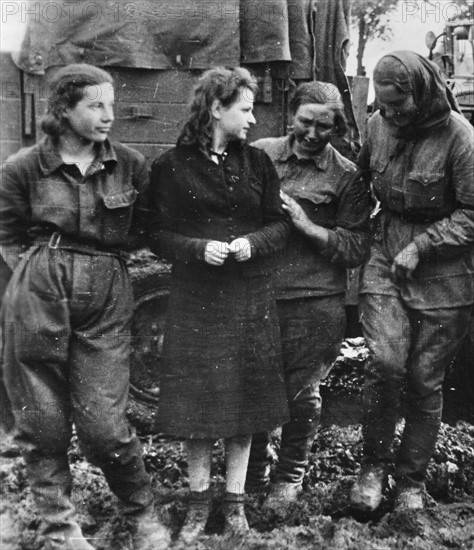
[231,188]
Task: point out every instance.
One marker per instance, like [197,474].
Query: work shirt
[333,196]
[196,200]
[426,190]
[40,194]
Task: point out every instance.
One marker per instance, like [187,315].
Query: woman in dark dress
[219,218]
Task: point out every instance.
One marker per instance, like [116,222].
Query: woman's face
[91,118]
[313,126]
[235,120]
[396,107]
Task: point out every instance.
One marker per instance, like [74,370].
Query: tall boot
[51,483]
[260,460]
[236,523]
[296,440]
[417,446]
[130,482]
[199,506]
[148,533]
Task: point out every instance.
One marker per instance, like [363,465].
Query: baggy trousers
[311,332]
[66,345]
[409,349]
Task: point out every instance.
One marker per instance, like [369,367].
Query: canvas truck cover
[309,37]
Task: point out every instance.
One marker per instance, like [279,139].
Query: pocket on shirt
[315,196]
[256,186]
[120,200]
[425,190]
[118,215]
[382,188]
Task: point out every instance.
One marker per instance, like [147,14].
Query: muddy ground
[320,519]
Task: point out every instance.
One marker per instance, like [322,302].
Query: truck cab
[453,52]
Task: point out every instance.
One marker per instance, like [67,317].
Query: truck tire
[150,281]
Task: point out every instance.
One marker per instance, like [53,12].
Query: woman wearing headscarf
[417,287]
[219,219]
[329,206]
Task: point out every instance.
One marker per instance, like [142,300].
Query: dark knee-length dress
[222,359]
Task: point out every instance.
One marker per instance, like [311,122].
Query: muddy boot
[366,493]
[260,460]
[282,494]
[51,483]
[409,496]
[66,537]
[196,518]
[148,533]
[297,437]
[236,523]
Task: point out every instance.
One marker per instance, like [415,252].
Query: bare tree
[372,20]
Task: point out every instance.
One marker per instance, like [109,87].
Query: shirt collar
[321,160]
[50,159]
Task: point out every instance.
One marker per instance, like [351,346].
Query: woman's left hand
[405,262]
[241,249]
[297,214]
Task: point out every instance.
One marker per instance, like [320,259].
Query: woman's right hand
[216,252]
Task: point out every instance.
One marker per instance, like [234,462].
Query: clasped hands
[216,252]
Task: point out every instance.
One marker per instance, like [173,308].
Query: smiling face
[397,108]
[90,120]
[233,122]
[313,127]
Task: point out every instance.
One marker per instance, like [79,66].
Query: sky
[410,23]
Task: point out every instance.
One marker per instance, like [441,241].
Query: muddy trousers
[66,325]
[409,349]
[311,332]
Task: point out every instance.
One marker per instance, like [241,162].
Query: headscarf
[412,73]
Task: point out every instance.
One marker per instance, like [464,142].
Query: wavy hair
[321,93]
[219,83]
[65,90]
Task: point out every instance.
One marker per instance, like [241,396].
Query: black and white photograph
[237,274]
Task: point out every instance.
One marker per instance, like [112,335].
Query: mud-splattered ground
[321,519]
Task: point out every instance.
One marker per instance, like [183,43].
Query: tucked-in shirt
[196,200]
[40,194]
[426,191]
[330,191]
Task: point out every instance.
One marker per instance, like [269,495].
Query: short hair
[65,89]
[218,83]
[322,93]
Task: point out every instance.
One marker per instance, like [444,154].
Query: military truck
[453,52]
[156,50]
